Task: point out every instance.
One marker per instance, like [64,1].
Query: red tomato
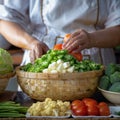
[76,104]
[80,111]
[103,109]
[93,110]
[78,56]
[90,101]
[58,47]
[78,107]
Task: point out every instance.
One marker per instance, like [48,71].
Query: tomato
[103,109]
[67,36]
[80,111]
[78,107]
[93,110]
[78,56]
[58,47]
[76,104]
[90,101]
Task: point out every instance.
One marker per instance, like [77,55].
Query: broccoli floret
[118,67]
[26,67]
[110,69]
[115,77]
[104,82]
[115,87]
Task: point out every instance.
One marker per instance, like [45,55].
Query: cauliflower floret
[49,108]
[70,69]
[59,62]
[45,71]
[60,67]
[66,65]
[52,66]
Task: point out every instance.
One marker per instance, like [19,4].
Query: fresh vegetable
[89,106]
[93,110]
[115,77]
[110,69]
[58,47]
[111,79]
[77,56]
[115,87]
[78,108]
[6,63]
[89,101]
[59,67]
[12,109]
[103,109]
[52,56]
[50,107]
[104,82]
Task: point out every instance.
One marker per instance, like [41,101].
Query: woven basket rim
[74,75]
[8,75]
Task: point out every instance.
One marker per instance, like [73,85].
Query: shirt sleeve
[113,8]
[15,11]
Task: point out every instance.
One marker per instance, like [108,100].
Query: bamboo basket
[4,81]
[67,86]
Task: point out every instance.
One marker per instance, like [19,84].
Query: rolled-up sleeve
[113,8]
[15,11]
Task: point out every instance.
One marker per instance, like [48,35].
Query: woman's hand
[38,48]
[78,41]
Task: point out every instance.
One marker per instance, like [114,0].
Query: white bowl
[113,97]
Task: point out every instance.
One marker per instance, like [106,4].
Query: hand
[78,41]
[38,49]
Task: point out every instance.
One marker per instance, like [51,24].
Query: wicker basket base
[4,81]
[69,86]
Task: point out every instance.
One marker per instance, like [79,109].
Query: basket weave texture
[68,86]
[4,81]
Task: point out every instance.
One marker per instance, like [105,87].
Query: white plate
[29,116]
[91,116]
[114,109]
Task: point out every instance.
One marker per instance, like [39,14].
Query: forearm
[107,38]
[15,34]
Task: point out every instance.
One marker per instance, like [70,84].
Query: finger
[73,46]
[32,57]
[45,48]
[74,43]
[38,52]
[77,32]
[79,49]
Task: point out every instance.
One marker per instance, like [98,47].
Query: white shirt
[51,18]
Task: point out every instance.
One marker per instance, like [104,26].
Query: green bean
[12,109]
[15,115]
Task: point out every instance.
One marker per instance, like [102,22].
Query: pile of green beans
[10,109]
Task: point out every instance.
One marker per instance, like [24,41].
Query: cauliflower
[50,107]
[59,67]
[6,63]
